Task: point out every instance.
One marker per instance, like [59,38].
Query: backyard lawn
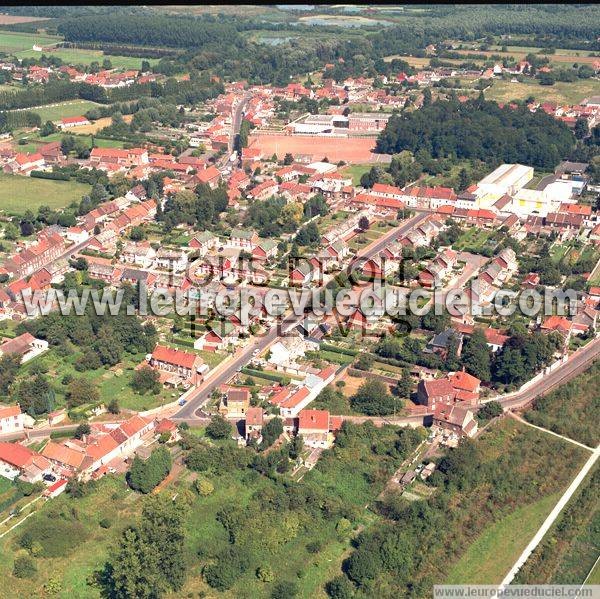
[19,194]
[356,171]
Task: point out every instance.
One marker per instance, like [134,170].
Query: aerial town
[298,301]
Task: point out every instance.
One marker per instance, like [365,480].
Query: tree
[489,410]
[113,407]
[145,475]
[82,391]
[476,356]
[364,361]
[48,129]
[146,379]
[404,386]
[11,232]
[363,223]
[581,128]
[284,589]
[288,159]
[463,179]
[339,588]
[82,430]
[308,235]
[203,487]
[265,574]
[218,428]
[9,367]
[372,398]
[271,432]
[137,234]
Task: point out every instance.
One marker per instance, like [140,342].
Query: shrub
[105,523]
[24,567]
[284,590]
[204,487]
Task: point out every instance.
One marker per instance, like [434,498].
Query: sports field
[351,150]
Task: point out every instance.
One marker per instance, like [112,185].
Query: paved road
[221,375]
[576,364]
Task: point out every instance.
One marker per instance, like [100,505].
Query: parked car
[182,402]
[50,478]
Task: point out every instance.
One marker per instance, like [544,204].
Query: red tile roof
[313,420]
[464,381]
[176,357]
[15,454]
[9,411]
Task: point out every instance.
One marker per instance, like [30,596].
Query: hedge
[51,175]
[269,376]
[338,350]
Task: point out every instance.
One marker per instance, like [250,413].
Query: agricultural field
[510,473]
[19,194]
[560,93]
[12,41]
[476,240]
[494,552]
[86,57]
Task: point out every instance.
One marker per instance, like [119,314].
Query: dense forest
[477,129]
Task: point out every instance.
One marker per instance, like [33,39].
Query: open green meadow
[560,93]
[568,552]
[85,57]
[13,41]
[19,194]
[61,110]
[492,555]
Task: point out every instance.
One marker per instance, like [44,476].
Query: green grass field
[12,41]
[560,92]
[491,556]
[86,57]
[55,112]
[35,140]
[356,171]
[595,575]
[19,194]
